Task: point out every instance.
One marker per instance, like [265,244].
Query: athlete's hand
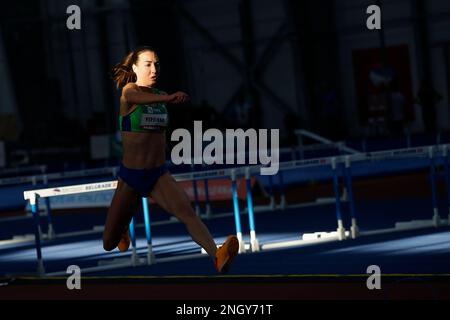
[178,97]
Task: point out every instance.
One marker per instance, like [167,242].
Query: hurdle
[33,197]
[346,162]
[44,179]
[336,164]
[432,153]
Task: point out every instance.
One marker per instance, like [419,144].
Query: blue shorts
[141,180]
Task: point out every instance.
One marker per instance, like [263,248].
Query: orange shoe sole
[124,242]
[226,254]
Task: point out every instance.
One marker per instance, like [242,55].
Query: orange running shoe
[226,254]
[124,242]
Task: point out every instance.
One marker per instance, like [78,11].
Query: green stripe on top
[146,118]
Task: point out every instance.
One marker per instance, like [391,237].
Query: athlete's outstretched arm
[132,95]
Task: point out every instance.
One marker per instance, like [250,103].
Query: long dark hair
[122,73]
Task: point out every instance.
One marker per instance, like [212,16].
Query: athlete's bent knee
[109,244]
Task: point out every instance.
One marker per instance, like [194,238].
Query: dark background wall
[296,64]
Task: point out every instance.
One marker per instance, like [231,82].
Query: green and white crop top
[146,118]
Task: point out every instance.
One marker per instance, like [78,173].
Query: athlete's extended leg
[123,206]
[172,198]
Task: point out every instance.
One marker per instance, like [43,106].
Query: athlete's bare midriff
[142,150]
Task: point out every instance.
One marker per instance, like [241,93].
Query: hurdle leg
[282,195]
[37,235]
[293,154]
[364,145]
[272,198]
[348,181]
[436,218]
[150,254]
[300,146]
[194,185]
[251,217]
[208,205]
[447,180]
[134,257]
[51,231]
[237,217]
[408,138]
[340,229]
